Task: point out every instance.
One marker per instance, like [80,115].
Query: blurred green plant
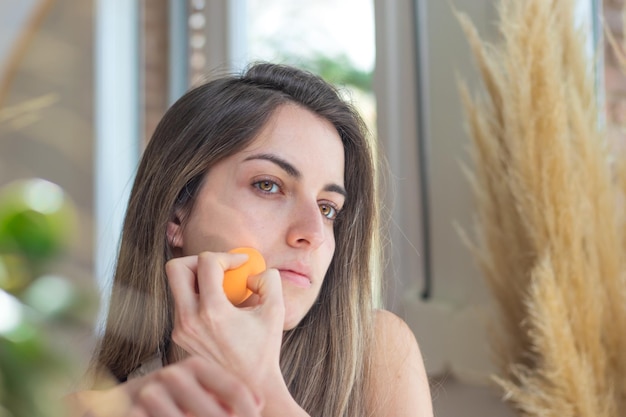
[337,69]
[36,223]
[340,71]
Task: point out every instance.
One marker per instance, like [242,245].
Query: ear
[174,233]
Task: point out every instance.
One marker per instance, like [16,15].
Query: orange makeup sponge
[235,280]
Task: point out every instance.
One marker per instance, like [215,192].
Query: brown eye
[328,211]
[267,186]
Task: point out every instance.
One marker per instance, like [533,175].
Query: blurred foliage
[36,222]
[338,70]
[341,71]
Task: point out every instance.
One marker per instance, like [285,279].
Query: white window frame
[116,130]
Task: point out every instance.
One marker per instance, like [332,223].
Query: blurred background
[84,82]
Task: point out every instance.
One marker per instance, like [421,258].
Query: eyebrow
[292,171]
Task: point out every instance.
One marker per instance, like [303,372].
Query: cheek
[326,256]
[221,224]
[257,226]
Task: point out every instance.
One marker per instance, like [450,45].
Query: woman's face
[279,195]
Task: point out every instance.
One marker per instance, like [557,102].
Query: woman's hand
[244,340]
[193,387]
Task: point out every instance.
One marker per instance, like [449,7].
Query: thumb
[269,288]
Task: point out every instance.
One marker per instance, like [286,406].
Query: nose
[307,227]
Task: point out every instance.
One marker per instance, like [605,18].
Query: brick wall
[154,61]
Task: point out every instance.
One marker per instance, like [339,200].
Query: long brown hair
[325,358]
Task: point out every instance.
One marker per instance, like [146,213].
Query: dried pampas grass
[550,228]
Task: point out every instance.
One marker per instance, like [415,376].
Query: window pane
[333,38]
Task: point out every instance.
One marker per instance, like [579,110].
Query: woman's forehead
[297,141]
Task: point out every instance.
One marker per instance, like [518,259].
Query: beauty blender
[235,280]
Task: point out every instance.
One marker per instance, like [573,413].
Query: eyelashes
[268,186]
[329,210]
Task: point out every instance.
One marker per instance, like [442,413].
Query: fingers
[180,397]
[211,267]
[267,285]
[155,400]
[229,389]
[193,387]
[181,274]
[206,323]
[206,273]
[202,275]
[204,388]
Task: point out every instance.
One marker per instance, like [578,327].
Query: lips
[296,277]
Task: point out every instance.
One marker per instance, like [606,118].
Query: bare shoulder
[390,325]
[399,385]
[394,341]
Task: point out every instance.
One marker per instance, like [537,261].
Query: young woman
[273,159]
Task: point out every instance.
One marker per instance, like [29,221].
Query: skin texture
[400,387]
[250,200]
[197,386]
[278,195]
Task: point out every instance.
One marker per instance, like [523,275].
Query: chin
[297,305]
[290,324]
[292,318]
